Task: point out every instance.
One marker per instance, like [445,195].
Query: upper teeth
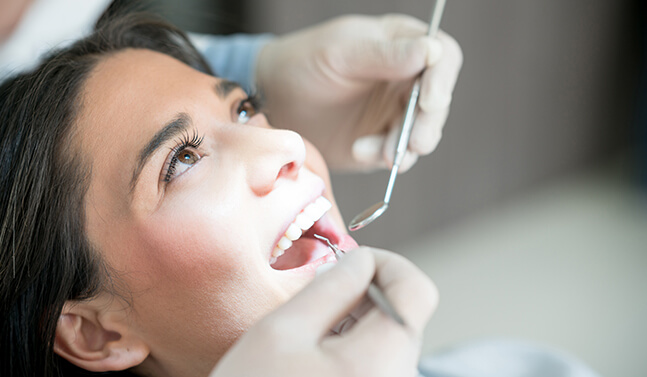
[304,221]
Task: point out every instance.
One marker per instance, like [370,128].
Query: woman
[148,212]
[147,208]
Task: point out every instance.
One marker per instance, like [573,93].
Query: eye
[247,109]
[181,161]
[187,157]
[182,157]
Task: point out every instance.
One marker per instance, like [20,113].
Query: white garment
[45,25]
[50,24]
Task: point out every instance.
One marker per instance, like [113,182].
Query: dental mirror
[376,210]
[368,215]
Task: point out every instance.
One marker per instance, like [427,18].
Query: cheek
[195,279]
[316,163]
[191,258]
[189,245]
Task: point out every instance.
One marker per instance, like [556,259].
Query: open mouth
[298,246]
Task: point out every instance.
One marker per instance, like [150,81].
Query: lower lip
[310,268]
[346,243]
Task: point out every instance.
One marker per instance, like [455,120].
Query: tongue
[303,251]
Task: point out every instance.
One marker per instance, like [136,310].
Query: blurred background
[531,216]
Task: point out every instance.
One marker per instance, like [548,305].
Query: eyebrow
[224,87]
[177,126]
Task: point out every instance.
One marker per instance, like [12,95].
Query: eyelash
[193,141]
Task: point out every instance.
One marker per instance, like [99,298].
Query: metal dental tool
[377,209]
[374,293]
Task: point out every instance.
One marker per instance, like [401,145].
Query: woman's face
[190,195]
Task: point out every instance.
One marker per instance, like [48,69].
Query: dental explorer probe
[374,293]
[376,210]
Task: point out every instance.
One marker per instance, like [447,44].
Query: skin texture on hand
[294,340]
[344,85]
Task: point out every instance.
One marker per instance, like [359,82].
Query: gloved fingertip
[388,150]
[368,148]
[434,51]
[323,268]
[434,101]
[410,159]
[426,145]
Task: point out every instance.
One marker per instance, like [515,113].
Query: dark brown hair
[45,258]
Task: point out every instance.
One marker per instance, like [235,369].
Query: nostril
[274,155]
[288,170]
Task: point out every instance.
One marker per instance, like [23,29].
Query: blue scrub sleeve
[232,57]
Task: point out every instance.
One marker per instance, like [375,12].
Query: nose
[274,156]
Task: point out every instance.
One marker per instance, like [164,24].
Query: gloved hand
[294,340]
[344,85]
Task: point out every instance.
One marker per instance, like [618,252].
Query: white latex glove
[344,85]
[294,340]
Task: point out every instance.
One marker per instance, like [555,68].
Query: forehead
[135,86]
[126,99]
